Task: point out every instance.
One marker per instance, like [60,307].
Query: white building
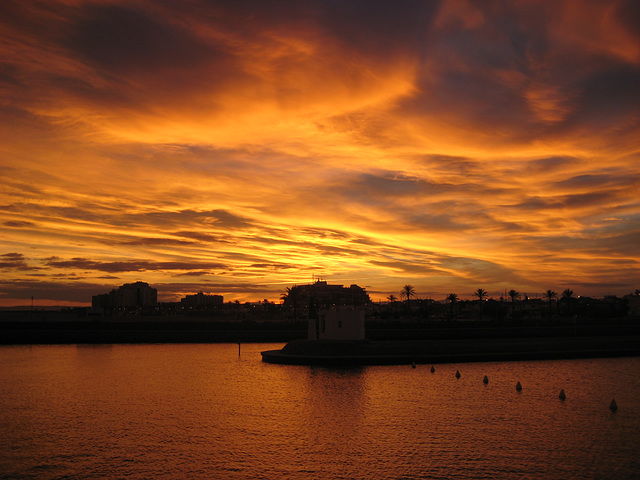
[341,324]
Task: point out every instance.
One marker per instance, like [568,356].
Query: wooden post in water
[238,348]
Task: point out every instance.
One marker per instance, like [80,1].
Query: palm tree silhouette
[408,291]
[567,296]
[452,298]
[481,293]
[392,298]
[550,295]
[292,297]
[514,294]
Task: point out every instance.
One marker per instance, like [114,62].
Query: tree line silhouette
[564,304]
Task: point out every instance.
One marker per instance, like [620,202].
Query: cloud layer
[240,147]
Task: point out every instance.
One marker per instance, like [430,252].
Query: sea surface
[204,411]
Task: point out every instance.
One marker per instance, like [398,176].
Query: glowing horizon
[240,149]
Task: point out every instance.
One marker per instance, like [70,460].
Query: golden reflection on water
[184,411]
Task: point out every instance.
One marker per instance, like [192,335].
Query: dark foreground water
[200,411]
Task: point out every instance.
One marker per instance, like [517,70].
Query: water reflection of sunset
[239,150]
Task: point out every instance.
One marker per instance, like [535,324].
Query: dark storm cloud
[608,96]
[452,164]
[550,164]
[150,53]
[199,236]
[379,26]
[340,251]
[218,218]
[411,267]
[89,212]
[325,233]
[566,201]
[509,73]
[622,243]
[13,261]
[599,180]
[140,55]
[195,273]
[481,270]
[127,266]
[614,242]
[225,219]
[433,222]
[121,39]
[628,12]
[393,185]
[360,25]
[154,241]
[272,266]
[18,224]
[381,187]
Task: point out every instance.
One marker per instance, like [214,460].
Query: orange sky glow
[238,148]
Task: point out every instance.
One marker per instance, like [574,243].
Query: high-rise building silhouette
[138,294]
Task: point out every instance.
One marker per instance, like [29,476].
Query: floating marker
[562,396]
[457,373]
[613,406]
[518,387]
[432,369]
[485,380]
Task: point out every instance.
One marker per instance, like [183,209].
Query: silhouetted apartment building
[321,294]
[202,300]
[138,294]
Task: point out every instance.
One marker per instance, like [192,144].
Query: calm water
[200,411]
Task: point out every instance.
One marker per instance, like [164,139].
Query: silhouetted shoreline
[388,343]
[148,331]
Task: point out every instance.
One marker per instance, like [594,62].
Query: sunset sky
[241,147]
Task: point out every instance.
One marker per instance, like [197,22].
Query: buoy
[413,365]
[613,406]
[485,380]
[518,387]
[432,369]
[457,373]
[562,396]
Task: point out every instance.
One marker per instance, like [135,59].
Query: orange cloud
[453,145]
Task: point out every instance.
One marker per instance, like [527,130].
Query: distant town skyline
[242,148]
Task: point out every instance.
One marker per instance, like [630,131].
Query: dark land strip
[385,344]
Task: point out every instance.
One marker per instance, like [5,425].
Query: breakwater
[451,350]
